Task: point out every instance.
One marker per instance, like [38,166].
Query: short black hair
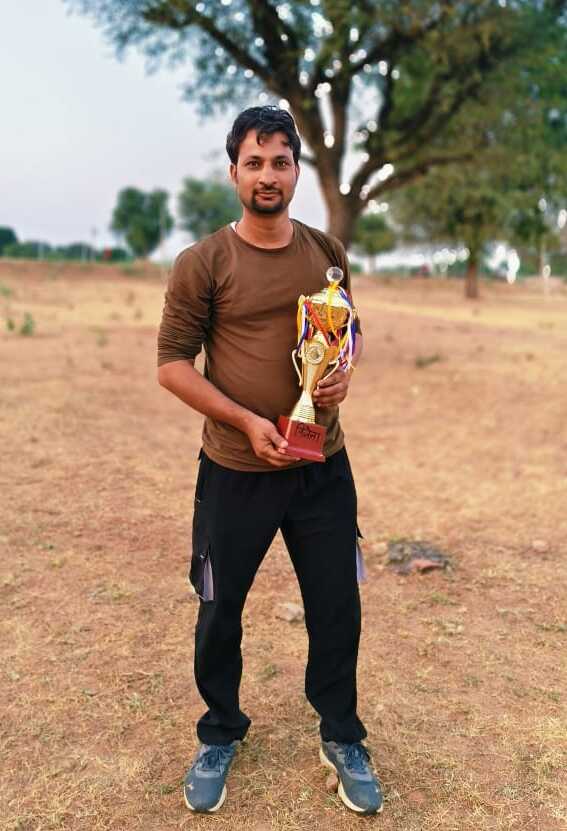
[266,121]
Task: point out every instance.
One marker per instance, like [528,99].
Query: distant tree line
[10,246]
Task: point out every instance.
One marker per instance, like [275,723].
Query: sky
[77,126]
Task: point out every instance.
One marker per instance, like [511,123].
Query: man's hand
[332,390]
[267,443]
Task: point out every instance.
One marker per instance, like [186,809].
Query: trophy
[325,342]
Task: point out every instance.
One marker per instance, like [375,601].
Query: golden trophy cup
[326,336]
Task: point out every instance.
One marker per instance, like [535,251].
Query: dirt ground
[457,430]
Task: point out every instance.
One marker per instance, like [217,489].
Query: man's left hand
[332,390]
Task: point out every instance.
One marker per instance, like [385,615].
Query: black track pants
[237,515]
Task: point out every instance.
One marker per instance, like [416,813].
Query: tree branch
[271,27]
[387,100]
[389,47]
[417,172]
[308,160]
[185,15]
[431,118]
[364,172]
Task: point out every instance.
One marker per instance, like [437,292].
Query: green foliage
[114,255]
[205,206]
[538,145]
[461,205]
[130,269]
[101,337]
[7,237]
[519,187]
[142,218]
[558,264]
[423,361]
[30,250]
[372,235]
[28,326]
[74,252]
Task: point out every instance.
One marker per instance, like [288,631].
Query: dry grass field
[457,431]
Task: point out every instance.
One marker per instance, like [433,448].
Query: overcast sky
[77,125]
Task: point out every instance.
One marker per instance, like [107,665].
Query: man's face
[265,174]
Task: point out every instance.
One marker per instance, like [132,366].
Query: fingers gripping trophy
[325,342]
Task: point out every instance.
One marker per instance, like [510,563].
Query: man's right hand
[267,443]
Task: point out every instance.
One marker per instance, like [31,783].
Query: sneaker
[204,786]
[359,788]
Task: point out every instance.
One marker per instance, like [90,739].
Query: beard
[275,206]
[270,208]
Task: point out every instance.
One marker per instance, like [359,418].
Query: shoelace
[215,757]
[356,758]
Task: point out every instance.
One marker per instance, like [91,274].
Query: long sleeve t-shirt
[238,302]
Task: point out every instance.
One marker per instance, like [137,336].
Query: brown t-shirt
[239,302]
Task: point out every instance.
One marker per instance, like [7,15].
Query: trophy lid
[334,274]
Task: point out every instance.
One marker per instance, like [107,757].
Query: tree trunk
[342,210]
[471,276]
[341,217]
[542,257]
[543,270]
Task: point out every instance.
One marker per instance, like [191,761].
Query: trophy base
[305,441]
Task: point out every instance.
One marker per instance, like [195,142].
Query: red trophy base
[305,441]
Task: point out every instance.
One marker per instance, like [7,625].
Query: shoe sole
[207,810]
[341,791]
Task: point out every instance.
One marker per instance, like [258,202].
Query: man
[235,294]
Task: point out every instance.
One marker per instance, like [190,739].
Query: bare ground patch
[457,434]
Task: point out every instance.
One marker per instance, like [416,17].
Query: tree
[372,236]
[404,85]
[473,207]
[518,187]
[7,237]
[540,149]
[142,218]
[205,206]
[458,206]
[535,226]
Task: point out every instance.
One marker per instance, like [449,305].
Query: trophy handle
[297,369]
[334,364]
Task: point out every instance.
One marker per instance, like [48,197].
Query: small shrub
[132,270]
[423,361]
[28,326]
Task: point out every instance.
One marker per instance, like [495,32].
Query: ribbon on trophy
[308,323]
